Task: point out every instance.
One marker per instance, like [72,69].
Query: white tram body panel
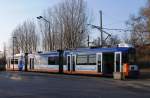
[13,62]
[86,68]
[41,62]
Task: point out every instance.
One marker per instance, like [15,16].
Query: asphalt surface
[42,85]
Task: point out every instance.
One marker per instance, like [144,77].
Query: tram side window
[53,60]
[86,60]
[92,59]
[131,58]
[128,58]
[82,60]
[14,61]
[125,58]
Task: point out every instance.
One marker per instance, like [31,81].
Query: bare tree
[74,18]
[140,26]
[96,42]
[26,39]
[113,41]
[140,33]
[68,25]
[138,30]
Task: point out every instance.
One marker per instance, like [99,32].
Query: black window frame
[53,60]
[14,61]
[89,63]
[87,59]
[81,63]
[129,56]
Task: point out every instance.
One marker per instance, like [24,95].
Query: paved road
[41,85]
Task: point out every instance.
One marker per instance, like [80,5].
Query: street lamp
[60,50]
[41,17]
[13,51]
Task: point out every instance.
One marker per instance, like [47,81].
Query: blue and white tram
[102,60]
[13,63]
[47,61]
[98,61]
[89,61]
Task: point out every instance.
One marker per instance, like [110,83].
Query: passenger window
[92,59]
[125,58]
[131,58]
[86,59]
[99,59]
[82,60]
[53,60]
[14,61]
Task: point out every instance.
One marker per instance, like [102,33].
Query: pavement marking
[15,78]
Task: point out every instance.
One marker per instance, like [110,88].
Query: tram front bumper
[134,74]
[118,76]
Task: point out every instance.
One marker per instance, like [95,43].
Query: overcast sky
[14,12]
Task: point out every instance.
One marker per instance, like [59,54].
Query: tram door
[31,63]
[73,62]
[71,59]
[118,62]
[99,62]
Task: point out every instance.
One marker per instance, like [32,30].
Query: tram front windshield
[129,57]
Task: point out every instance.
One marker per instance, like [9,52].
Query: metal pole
[53,39]
[88,40]
[61,55]
[26,54]
[101,27]
[13,53]
[61,41]
[60,61]
[50,43]
[26,61]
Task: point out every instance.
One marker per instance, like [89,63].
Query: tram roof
[116,49]
[53,53]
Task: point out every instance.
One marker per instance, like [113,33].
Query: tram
[13,61]
[97,61]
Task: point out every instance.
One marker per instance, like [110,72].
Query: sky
[14,12]
[115,13]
